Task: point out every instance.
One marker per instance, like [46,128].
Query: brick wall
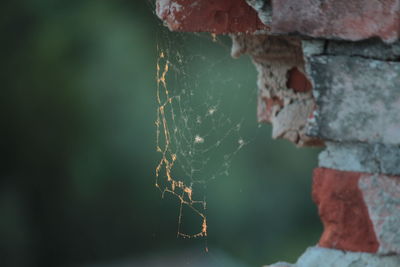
[328,75]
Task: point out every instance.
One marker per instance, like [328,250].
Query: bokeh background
[78,105]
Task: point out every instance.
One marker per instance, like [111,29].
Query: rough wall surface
[338,19]
[285,97]
[358,99]
[341,206]
[382,197]
[331,19]
[360,211]
[322,257]
[329,84]
[356,90]
[361,157]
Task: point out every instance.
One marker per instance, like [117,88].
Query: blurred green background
[78,105]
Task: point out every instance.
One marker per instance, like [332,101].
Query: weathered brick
[373,49]
[347,225]
[338,19]
[285,97]
[215,16]
[323,257]
[360,211]
[382,197]
[349,157]
[358,157]
[358,99]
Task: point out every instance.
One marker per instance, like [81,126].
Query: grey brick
[358,100]
[324,257]
[373,49]
[359,157]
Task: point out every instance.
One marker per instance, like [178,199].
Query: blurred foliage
[78,140]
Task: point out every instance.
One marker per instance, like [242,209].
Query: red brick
[298,81]
[215,16]
[344,19]
[347,225]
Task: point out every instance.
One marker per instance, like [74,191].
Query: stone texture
[338,19]
[373,49]
[389,159]
[358,99]
[285,97]
[358,157]
[215,16]
[323,257]
[349,157]
[382,197]
[347,225]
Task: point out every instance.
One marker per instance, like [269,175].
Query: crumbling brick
[216,16]
[285,97]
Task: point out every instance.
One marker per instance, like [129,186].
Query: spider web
[198,127]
